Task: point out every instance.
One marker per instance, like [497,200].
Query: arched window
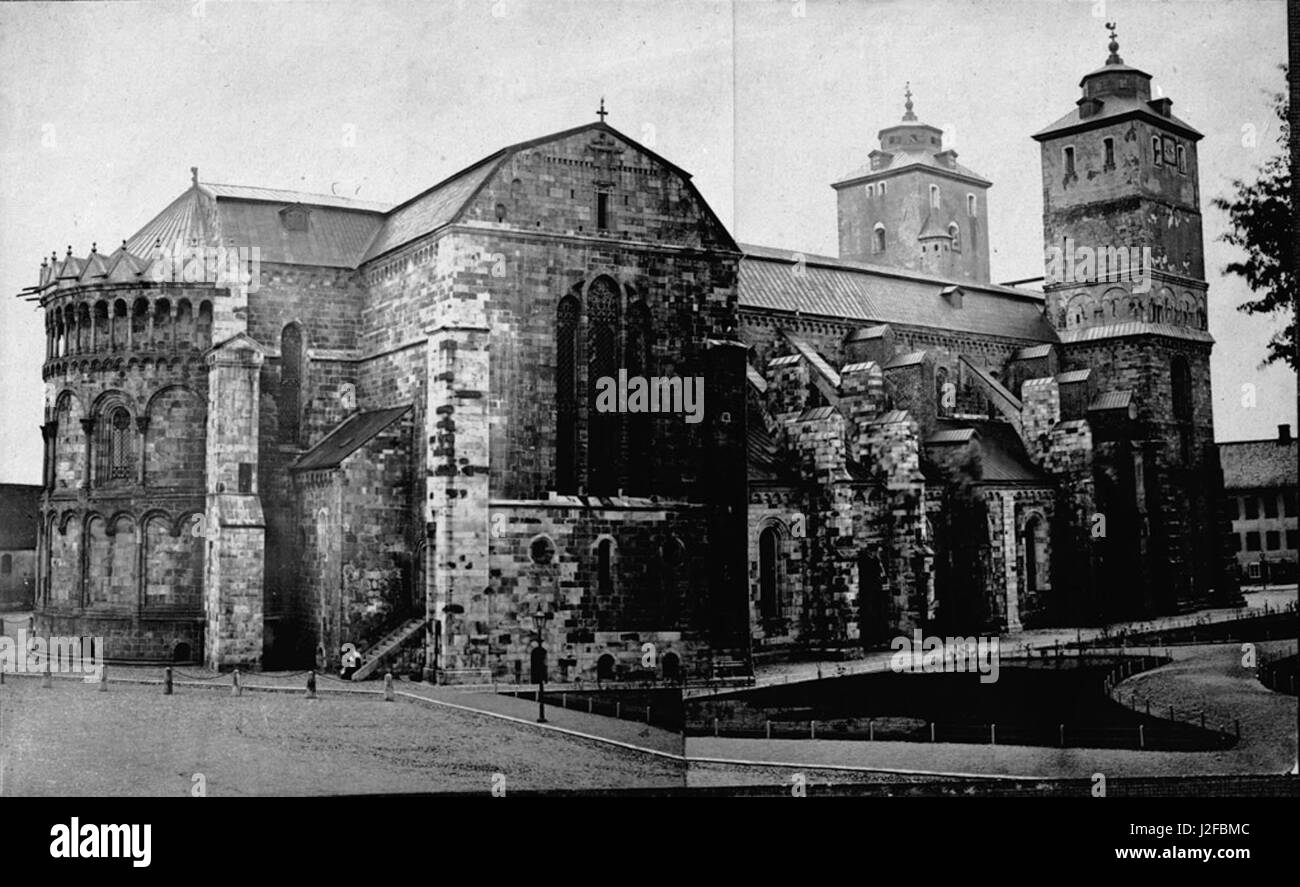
[878,238]
[289,399]
[934,197]
[605,566]
[640,427]
[942,399]
[1037,575]
[954,233]
[602,362]
[970,205]
[768,564]
[1181,388]
[114,450]
[1155,150]
[566,395]
[605,667]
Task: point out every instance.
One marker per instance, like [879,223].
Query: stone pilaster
[458,458]
[234,562]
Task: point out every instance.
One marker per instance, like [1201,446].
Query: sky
[104,107]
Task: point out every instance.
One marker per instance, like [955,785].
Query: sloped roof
[1112,400]
[1249,464]
[1003,457]
[1115,108]
[1032,352]
[765,460]
[281,197]
[1133,328]
[951,436]
[818,362]
[20,512]
[432,209]
[900,160]
[783,280]
[348,438]
[1071,376]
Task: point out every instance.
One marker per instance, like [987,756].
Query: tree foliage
[1260,214]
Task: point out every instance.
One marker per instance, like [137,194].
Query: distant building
[1259,477]
[20,507]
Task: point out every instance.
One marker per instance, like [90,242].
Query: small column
[142,425]
[88,426]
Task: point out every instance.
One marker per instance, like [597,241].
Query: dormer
[294,217]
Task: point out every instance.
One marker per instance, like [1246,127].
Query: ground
[132,740]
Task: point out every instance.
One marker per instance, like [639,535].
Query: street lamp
[539,662]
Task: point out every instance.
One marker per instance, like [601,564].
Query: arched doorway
[768,565]
[1037,565]
[672,668]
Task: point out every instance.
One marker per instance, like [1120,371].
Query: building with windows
[386,430]
[1260,479]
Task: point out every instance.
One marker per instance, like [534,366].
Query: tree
[1260,214]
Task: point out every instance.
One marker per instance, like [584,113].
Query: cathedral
[383,429]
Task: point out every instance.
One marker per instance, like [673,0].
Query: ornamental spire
[907,105]
[1113,46]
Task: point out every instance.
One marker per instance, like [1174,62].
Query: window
[1182,159]
[566,395]
[1270,505]
[245,477]
[602,210]
[1252,541]
[871,190]
[1252,570]
[767,566]
[6,564]
[1108,147]
[942,398]
[1272,540]
[878,239]
[1180,380]
[955,234]
[1155,150]
[1234,511]
[602,360]
[882,188]
[1288,503]
[1291,539]
[115,463]
[1068,160]
[970,205]
[934,196]
[289,398]
[604,565]
[542,550]
[1252,507]
[295,219]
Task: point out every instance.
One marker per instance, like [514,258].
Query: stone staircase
[375,655]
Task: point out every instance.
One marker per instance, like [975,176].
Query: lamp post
[539,662]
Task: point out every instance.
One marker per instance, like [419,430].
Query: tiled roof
[1032,352]
[1252,464]
[910,358]
[282,197]
[1115,107]
[20,514]
[1112,400]
[890,418]
[1073,376]
[755,377]
[899,160]
[348,438]
[991,385]
[825,287]
[818,362]
[429,211]
[1133,328]
[866,333]
[816,413]
[951,436]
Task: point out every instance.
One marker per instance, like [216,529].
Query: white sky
[104,107]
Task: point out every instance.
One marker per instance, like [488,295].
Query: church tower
[1126,291]
[914,206]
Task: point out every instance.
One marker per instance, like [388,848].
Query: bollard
[564,700]
[618,710]
[167,681]
[235,689]
[311,684]
[1061,733]
[812,729]
[103,678]
[932,731]
[871,729]
[589,701]
[388,687]
[647,714]
[715,726]
[993,734]
[767,726]
[1142,740]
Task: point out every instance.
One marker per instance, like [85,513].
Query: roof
[1114,109]
[281,197]
[1003,457]
[349,437]
[1071,376]
[1133,328]
[818,362]
[900,160]
[952,436]
[1112,400]
[783,280]
[1250,464]
[765,460]
[1032,352]
[865,333]
[20,515]
[910,358]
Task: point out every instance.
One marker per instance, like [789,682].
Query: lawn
[131,740]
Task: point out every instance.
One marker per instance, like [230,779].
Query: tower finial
[194,175]
[1113,46]
[907,105]
[602,112]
